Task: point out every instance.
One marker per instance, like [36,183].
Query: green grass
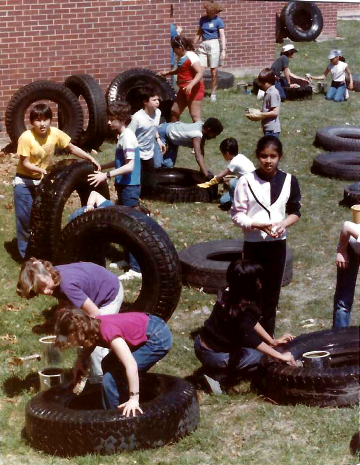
[241,428]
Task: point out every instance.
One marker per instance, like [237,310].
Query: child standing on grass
[269,115]
[232,341]
[137,341]
[266,203]
[238,166]
[144,124]
[347,260]
[36,148]
[127,169]
[85,285]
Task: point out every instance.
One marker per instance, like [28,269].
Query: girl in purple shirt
[137,341]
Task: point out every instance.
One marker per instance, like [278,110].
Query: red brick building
[51,39]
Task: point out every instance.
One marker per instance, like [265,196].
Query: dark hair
[266,141]
[267,75]
[288,53]
[214,125]
[341,58]
[182,42]
[146,92]
[229,145]
[120,111]
[41,110]
[73,321]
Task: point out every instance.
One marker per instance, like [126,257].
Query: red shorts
[197,92]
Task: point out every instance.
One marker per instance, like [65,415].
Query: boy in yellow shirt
[36,148]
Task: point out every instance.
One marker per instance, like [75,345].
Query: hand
[42,171]
[130,407]
[96,163]
[351,86]
[283,339]
[97,178]
[288,358]
[179,29]
[223,54]
[294,86]
[188,88]
[162,146]
[278,229]
[161,73]
[254,114]
[264,227]
[342,260]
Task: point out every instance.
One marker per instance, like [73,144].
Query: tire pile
[343,159]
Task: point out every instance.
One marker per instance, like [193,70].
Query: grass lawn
[243,427]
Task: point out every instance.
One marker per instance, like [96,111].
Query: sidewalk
[349,15]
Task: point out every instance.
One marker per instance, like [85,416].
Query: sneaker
[120,264]
[213,98]
[347,95]
[131,274]
[213,385]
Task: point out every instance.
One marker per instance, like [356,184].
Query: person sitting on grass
[269,114]
[192,135]
[239,165]
[347,260]
[127,170]
[36,148]
[337,68]
[136,340]
[144,124]
[232,341]
[85,285]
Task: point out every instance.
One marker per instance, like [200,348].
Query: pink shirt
[129,326]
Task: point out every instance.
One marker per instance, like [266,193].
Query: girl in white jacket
[266,203]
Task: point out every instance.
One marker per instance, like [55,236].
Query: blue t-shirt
[210,27]
[128,149]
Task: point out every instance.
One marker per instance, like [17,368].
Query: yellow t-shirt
[40,149]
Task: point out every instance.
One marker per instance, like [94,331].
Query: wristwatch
[108,175]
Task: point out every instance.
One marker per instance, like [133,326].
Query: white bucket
[50,377]
[51,355]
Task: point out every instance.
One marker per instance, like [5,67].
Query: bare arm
[90,308]
[219,177]
[197,78]
[284,357]
[98,177]
[198,144]
[125,356]
[268,339]
[273,112]
[78,152]
[198,36]
[30,166]
[349,229]
[323,76]
[351,84]
[223,42]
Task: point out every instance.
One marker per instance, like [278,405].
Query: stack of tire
[343,159]
[300,22]
[70,114]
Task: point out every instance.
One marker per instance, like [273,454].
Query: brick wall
[348,6]
[51,39]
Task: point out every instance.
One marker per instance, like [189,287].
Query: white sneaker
[347,95]
[131,274]
[213,385]
[213,98]
[120,264]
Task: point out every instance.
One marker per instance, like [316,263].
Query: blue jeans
[114,388]
[169,159]
[23,200]
[345,290]
[129,197]
[279,85]
[272,133]
[229,195]
[338,95]
[220,365]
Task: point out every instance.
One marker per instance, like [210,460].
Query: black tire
[329,387]
[126,85]
[339,165]
[144,238]
[225,80]
[71,111]
[87,87]
[304,92]
[255,87]
[302,21]
[356,81]
[66,177]
[339,138]
[62,424]
[280,32]
[204,265]
[175,185]
[351,195]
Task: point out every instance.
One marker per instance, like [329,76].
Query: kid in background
[127,169]
[86,285]
[36,148]
[232,341]
[137,341]
[239,165]
[266,203]
[144,125]
[337,68]
[347,260]
[269,115]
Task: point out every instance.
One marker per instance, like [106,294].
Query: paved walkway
[349,15]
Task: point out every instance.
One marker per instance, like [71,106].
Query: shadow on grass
[12,250]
